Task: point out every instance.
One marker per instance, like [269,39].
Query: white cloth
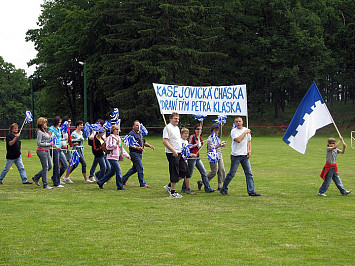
[242,147]
[175,136]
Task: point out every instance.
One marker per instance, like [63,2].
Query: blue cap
[101,130]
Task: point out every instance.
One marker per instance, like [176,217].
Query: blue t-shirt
[77,138]
[58,134]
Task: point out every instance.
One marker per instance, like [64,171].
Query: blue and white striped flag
[29,117]
[54,139]
[107,125]
[199,117]
[95,127]
[185,151]
[74,160]
[87,130]
[221,120]
[143,130]
[64,128]
[215,139]
[311,115]
[212,156]
[129,140]
[115,115]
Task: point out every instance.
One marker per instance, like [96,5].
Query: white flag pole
[23,125]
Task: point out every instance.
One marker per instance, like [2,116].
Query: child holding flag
[330,169]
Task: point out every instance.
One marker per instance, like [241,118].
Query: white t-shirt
[242,147]
[175,136]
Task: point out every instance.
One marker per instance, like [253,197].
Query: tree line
[276,47]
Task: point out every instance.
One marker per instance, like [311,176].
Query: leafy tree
[15,97]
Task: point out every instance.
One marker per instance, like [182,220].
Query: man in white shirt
[241,151]
[173,146]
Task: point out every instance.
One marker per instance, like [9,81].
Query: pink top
[117,151]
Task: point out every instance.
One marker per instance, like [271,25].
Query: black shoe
[199,184]
[223,192]
[0,182]
[36,181]
[100,186]
[27,183]
[210,191]
[254,194]
[219,188]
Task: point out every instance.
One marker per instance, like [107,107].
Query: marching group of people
[108,150]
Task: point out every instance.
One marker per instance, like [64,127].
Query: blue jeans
[107,167]
[332,175]
[98,161]
[19,164]
[244,161]
[46,163]
[191,163]
[115,169]
[58,171]
[136,168]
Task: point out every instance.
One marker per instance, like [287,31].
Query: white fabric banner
[211,100]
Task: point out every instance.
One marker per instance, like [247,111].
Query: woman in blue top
[59,161]
[78,139]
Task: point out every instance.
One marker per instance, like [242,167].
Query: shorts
[177,168]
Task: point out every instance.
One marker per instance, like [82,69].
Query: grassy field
[84,225]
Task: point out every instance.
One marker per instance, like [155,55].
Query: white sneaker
[48,187]
[167,188]
[175,195]
[62,183]
[346,192]
[68,180]
[59,186]
[89,181]
[91,178]
[321,194]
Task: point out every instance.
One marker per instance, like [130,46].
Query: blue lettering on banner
[227,107]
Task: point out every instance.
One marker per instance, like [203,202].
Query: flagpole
[167,128]
[336,128]
[23,125]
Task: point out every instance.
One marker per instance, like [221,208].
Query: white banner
[211,100]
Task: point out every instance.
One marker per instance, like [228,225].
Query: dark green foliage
[276,47]
[15,95]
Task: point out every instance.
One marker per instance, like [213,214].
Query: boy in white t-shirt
[241,151]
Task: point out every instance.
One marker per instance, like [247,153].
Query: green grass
[83,225]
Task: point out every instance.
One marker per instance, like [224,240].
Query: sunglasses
[198,128]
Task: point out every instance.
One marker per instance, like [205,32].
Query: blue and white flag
[185,151]
[143,130]
[215,140]
[199,117]
[74,160]
[212,156]
[107,125]
[87,130]
[29,117]
[54,139]
[95,127]
[221,120]
[129,140]
[64,128]
[115,115]
[311,115]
